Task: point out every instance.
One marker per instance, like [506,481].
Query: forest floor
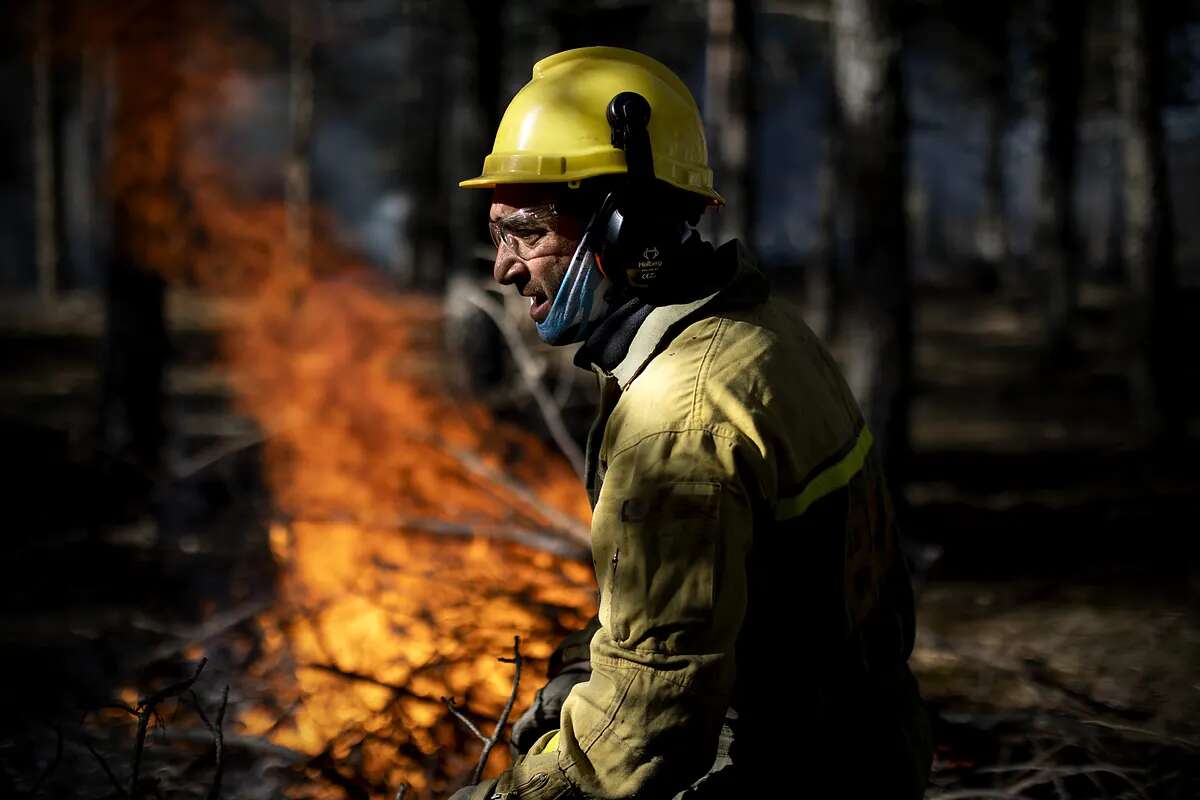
[1058,577]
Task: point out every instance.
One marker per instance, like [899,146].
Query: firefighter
[755,615]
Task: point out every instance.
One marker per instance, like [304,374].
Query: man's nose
[502,269]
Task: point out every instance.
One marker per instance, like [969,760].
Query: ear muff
[637,236]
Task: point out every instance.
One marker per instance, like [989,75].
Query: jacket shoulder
[755,375]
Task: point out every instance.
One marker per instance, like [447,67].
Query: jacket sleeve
[670,535]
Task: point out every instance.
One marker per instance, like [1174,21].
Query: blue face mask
[581,302]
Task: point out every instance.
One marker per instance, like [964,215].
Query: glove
[543,716]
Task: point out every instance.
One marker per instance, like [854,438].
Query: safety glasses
[523,229]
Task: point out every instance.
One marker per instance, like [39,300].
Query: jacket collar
[748,286]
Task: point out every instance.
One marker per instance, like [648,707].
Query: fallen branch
[538,540]
[476,465]
[1144,733]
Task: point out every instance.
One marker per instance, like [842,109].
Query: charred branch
[148,708]
[120,790]
[218,733]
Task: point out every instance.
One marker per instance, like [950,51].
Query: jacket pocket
[663,574]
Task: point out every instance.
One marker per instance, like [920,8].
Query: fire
[375,626]
[391,497]
[378,617]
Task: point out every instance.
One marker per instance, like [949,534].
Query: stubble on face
[536,271]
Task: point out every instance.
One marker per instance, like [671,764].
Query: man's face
[541,245]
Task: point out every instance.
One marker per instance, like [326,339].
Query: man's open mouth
[539,306]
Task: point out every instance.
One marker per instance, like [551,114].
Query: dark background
[233,257]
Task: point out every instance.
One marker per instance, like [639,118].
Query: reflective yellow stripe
[828,480]
[552,745]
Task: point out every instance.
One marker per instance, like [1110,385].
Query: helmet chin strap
[582,300]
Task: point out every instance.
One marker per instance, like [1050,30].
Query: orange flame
[370,463]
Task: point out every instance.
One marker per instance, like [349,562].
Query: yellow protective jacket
[747,562]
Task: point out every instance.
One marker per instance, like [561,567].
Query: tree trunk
[821,285]
[877,321]
[1148,236]
[298,179]
[149,239]
[992,234]
[730,108]
[45,174]
[471,126]
[1056,240]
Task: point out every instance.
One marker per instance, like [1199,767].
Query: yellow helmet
[555,129]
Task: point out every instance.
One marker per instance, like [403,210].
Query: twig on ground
[979,794]
[1049,774]
[403,790]
[503,721]
[148,707]
[53,765]
[1145,733]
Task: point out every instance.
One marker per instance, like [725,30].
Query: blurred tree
[149,231]
[1056,242]
[992,234]
[821,284]
[731,107]
[875,320]
[298,180]
[46,200]
[431,226]
[1149,235]
[470,121]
